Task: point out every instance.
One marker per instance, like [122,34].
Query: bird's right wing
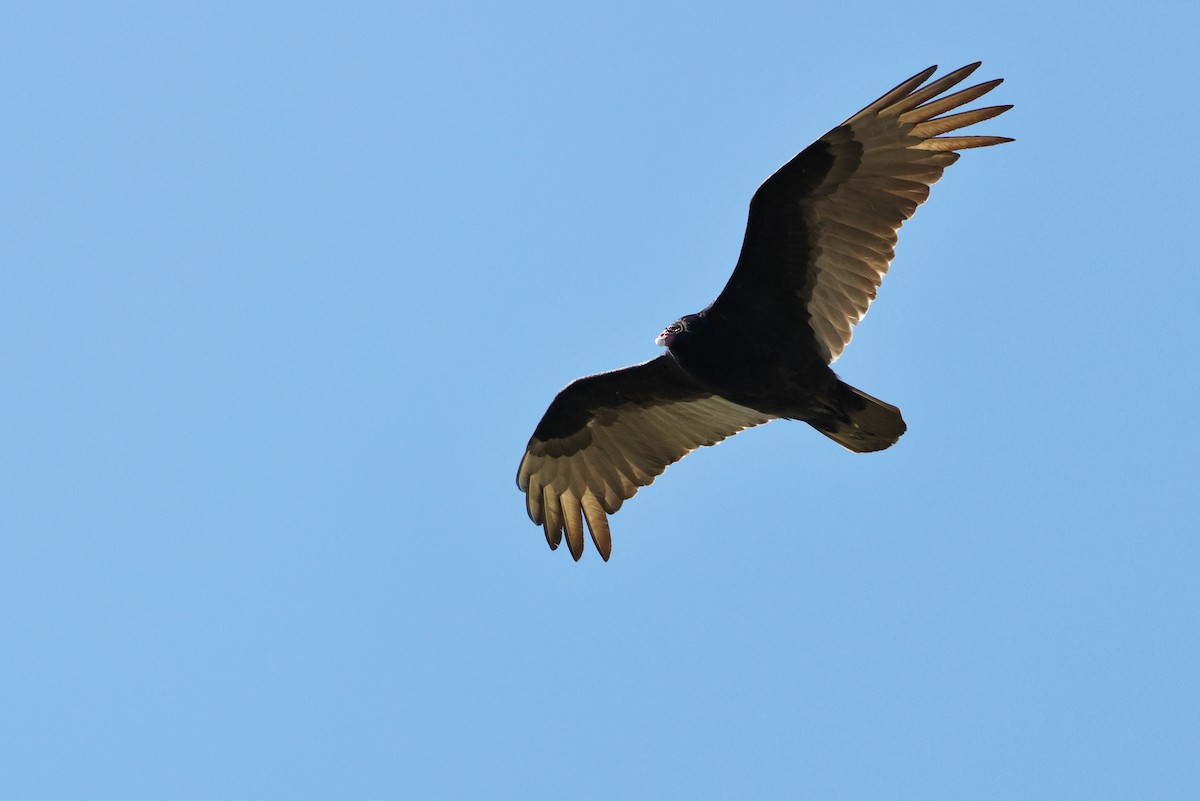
[606,435]
[822,229]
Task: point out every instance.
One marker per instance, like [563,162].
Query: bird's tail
[859,422]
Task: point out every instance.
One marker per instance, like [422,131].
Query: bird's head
[675,330]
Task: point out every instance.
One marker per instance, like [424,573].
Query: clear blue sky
[285,288]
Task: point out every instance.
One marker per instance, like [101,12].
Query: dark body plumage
[819,238]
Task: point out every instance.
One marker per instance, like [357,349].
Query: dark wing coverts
[822,229]
[606,435]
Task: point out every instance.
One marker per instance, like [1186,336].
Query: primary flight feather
[820,236]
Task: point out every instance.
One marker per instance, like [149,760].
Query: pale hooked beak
[664,339]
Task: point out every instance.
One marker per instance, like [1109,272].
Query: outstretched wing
[822,230]
[606,435]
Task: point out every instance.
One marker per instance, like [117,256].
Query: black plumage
[819,239]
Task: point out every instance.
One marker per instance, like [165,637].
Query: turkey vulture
[819,238]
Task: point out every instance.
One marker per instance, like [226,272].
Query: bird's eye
[675,328]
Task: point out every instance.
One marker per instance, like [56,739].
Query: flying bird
[820,236]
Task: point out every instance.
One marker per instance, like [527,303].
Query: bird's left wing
[822,230]
[606,435]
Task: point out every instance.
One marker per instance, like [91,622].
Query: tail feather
[860,422]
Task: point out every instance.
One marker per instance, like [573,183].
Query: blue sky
[285,289]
